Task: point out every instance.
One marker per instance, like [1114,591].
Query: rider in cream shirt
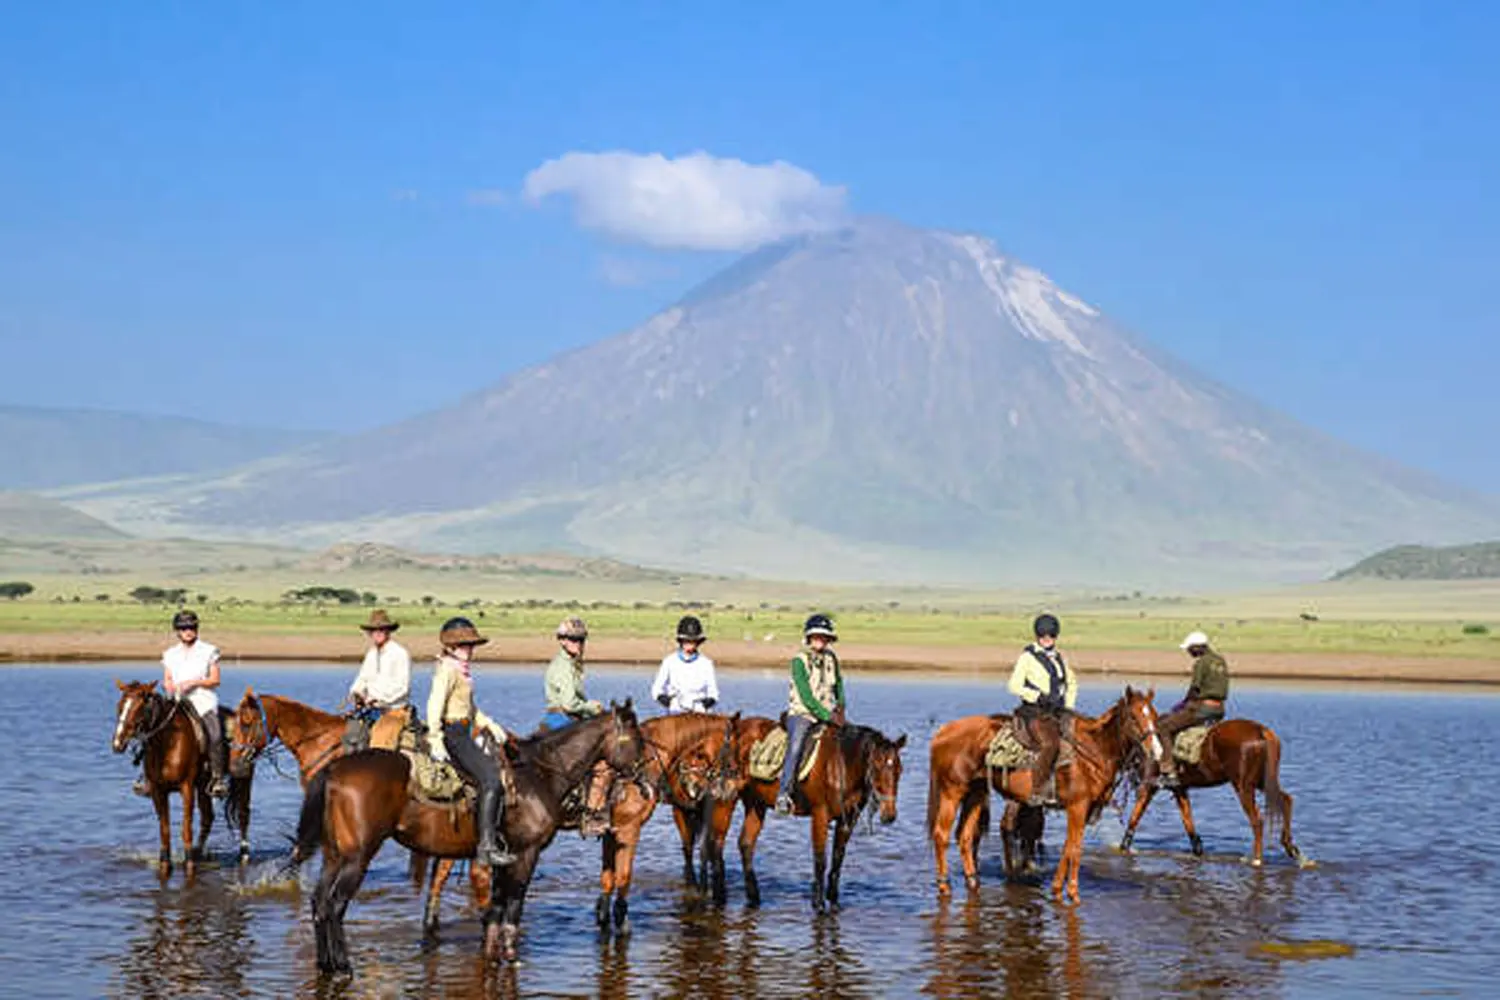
[685,682]
[190,672]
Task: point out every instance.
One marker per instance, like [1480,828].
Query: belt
[1215,702]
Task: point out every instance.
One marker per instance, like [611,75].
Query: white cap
[1194,639]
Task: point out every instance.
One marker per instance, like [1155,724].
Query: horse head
[132,710]
[251,734]
[726,777]
[625,749]
[883,773]
[1139,718]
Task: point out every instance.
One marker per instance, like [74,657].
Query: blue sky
[311,215]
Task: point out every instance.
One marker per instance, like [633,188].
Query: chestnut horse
[855,764]
[360,801]
[173,762]
[316,737]
[1102,748]
[1241,753]
[688,759]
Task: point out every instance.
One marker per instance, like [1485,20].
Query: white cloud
[693,202]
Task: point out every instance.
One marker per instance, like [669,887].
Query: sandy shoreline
[255,647]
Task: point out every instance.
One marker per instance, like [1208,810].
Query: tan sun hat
[380,621]
[460,632]
[572,628]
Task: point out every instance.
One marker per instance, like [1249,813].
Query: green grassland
[1436,619]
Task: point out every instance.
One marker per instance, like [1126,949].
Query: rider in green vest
[1204,702]
[816,694]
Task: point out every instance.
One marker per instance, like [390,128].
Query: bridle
[152,702]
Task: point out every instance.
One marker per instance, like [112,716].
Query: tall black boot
[490,849]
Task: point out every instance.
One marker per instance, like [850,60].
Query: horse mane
[312,714]
[695,726]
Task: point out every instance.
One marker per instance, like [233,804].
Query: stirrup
[593,824]
[218,788]
[498,856]
[142,787]
[784,805]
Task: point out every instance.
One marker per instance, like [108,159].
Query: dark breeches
[1187,716]
[468,757]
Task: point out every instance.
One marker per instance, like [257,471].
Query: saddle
[769,753]
[432,780]
[1188,746]
[1014,749]
[228,725]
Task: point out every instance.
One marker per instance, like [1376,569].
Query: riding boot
[491,849]
[1043,780]
[595,819]
[218,787]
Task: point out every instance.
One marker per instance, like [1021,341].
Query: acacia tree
[15,589]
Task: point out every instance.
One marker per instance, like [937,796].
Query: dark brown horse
[1241,753]
[316,737]
[855,766]
[688,758]
[360,801]
[175,762]
[1102,748]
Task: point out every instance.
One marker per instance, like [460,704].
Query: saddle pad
[1006,751]
[769,753]
[389,731]
[1188,747]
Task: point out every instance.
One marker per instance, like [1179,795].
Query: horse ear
[1151,692]
[630,703]
[119,684]
[151,686]
[1129,691]
[900,741]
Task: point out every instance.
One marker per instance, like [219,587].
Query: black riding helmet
[820,625]
[184,619]
[1046,625]
[689,629]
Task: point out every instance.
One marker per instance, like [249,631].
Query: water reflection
[1008,941]
[191,943]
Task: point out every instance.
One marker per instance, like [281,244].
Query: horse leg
[441,869]
[241,800]
[687,833]
[1187,821]
[206,808]
[1072,858]
[941,810]
[717,822]
[345,884]
[609,847]
[755,818]
[189,849]
[1292,851]
[841,832]
[502,920]
[480,883]
[972,815]
[1246,793]
[818,822]
[164,828]
[624,866]
[1142,800]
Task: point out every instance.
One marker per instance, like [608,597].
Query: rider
[383,682]
[816,694]
[685,682]
[1047,689]
[190,670]
[566,701]
[1204,702]
[452,713]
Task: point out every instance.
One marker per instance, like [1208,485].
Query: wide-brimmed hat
[380,622]
[460,632]
[572,628]
[690,629]
[1194,639]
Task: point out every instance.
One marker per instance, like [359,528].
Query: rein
[156,701]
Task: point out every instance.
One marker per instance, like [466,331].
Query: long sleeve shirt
[564,685]
[385,676]
[452,700]
[1210,677]
[1031,680]
[817,686]
[688,683]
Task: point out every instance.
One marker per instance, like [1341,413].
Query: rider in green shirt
[815,694]
[1204,702]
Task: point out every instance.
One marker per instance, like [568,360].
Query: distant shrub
[15,589]
[1476,630]
[101,597]
[147,594]
[342,595]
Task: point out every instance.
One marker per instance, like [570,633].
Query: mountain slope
[878,403]
[42,448]
[1479,561]
[25,516]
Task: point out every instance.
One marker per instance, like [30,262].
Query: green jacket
[564,683]
[817,686]
[1210,677]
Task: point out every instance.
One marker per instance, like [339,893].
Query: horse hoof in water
[944,889]
[972,883]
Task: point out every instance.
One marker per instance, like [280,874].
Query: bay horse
[1102,749]
[689,758]
[174,762]
[1241,753]
[855,764]
[316,737]
[360,801]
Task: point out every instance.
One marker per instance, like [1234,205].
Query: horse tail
[1276,799]
[934,795]
[310,822]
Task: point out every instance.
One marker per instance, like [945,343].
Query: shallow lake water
[1394,800]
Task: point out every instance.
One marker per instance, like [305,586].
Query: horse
[1102,748]
[360,801]
[1241,753]
[174,762]
[316,737]
[688,758]
[855,764]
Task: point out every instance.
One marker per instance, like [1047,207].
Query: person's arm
[804,690]
[1018,677]
[711,698]
[1070,689]
[562,692]
[166,676]
[437,701]
[659,690]
[401,688]
[1200,676]
[361,686]
[209,680]
[485,722]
